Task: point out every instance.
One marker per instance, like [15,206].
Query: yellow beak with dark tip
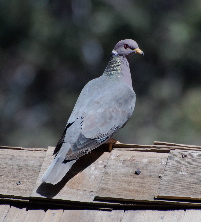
[139,51]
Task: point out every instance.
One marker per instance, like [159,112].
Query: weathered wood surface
[130,175]
[14,214]
[53,216]
[34,215]
[80,184]
[152,216]
[191,216]
[162,216]
[92,215]
[121,180]
[157,147]
[177,145]
[19,170]
[181,179]
[3,211]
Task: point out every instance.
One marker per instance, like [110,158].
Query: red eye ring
[126,46]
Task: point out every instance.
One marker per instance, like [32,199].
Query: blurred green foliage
[50,49]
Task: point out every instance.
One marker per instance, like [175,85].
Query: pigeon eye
[126,46]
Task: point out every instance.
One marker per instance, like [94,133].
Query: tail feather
[57,170]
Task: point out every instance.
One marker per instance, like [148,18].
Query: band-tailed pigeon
[105,104]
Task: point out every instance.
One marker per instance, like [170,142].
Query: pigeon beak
[139,51]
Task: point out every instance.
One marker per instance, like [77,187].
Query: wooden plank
[80,184]
[132,175]
[34,216]
[18,171]
[53,216]
[157,147]
[22,148]
[11,147]
[20,168]
[191,216]
[181,180]
[153,216]
[176,144]
[4,211]
[92,215]
[15,215]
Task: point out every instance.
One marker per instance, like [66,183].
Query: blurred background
[50,49]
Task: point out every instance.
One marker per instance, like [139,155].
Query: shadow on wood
[49,190]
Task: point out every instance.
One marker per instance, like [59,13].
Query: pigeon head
[126,47]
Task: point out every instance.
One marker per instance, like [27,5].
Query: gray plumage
[105,104]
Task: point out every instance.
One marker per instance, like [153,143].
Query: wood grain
[53,215]
[4,209]
[80,184]
[121,180]
[34,216]
[157,147]
[181,179]
[15,215]
[123,177]
[92,216]
[153,216]
[19,170]
[176,145]
[191,216]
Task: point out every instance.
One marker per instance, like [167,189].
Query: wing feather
[100,117]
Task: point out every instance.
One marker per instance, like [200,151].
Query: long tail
[57,170]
